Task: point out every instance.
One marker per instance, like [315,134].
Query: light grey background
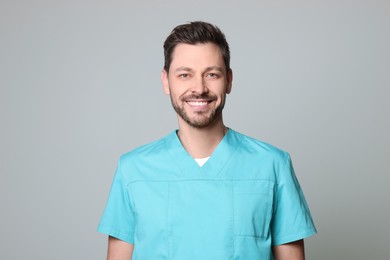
[80,85]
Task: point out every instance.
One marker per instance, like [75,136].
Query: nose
[199,86]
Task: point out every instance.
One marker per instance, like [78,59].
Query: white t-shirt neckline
[201,161]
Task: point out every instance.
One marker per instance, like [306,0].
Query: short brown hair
[193,33]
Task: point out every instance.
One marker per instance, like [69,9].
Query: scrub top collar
[218,159]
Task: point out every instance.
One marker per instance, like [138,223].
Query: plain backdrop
[80,85]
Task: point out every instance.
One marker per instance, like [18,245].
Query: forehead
[197,56]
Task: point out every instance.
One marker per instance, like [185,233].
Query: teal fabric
[243,201]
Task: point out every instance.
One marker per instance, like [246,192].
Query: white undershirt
[201,161]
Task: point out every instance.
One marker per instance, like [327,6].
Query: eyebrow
[207,69]
[183,69]
[214,68]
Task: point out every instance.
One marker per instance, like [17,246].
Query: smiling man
[198,84]
[204,191]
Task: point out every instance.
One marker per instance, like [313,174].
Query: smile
[198,103]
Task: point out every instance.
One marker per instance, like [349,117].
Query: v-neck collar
[190,168]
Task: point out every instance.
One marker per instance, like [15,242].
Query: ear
[229,78]
[165,81]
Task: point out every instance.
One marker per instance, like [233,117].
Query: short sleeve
[118,217]
[291,216]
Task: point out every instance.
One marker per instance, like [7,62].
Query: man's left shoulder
[258,147]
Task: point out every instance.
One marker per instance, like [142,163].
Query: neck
[201,142]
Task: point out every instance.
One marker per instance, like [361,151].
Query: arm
[290,251]
[119,250]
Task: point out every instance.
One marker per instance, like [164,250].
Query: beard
[201,119]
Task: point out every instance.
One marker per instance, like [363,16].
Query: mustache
[200,97]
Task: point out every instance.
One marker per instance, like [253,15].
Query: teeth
[198,103]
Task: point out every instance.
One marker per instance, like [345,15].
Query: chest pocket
[253,201]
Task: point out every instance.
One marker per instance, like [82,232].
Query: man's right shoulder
[146,161]
[149,151]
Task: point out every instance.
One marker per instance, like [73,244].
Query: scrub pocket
[253,201]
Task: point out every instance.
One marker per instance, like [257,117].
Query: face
[197,83]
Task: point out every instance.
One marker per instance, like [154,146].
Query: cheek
[176,96]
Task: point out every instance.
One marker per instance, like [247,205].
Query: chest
[223,217]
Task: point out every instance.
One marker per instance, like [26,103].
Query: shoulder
[258,148]
[147,162]
[146,151]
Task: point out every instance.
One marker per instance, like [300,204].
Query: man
[204,191]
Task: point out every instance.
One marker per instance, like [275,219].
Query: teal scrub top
[241,202]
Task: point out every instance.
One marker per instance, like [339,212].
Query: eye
[212,75]
[184,75]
